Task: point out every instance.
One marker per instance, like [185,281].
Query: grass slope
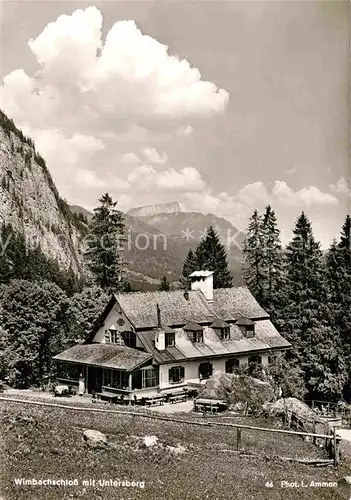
[46,442]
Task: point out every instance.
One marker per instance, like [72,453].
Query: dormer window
[222,329]
[170,339]
[247,327]
[195,332]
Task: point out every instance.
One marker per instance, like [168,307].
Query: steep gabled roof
[141,308]
[230,304]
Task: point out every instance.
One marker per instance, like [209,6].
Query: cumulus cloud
[239,206]
[146,176]
[92,95]
[185,130]
[129,78]
[130,158]
[307,197]
[154,157]
[341,187]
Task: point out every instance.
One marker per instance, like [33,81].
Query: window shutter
[182,372]
[210,369]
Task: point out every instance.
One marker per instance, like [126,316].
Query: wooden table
[156,400]
[211,405]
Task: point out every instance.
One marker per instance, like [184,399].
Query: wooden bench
[209,405]
[111,397]
[175,398]
[157,400]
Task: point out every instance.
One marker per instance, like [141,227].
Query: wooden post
[314,439]
[312,404]
[238,438]
[336,449]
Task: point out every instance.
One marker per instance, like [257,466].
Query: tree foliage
[105,245]
[33,330]
[19,261]
[83,310]
[209,255]
[164,285]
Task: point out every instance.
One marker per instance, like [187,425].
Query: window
[231,365]
[116,378]
[176,374]
[255,359]
[205,370]
[225,333]
[170,339]
[149,378]
[129,339]
[250,332]
[113,336]
[197,337]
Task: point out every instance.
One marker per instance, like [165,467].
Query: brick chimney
[203,280]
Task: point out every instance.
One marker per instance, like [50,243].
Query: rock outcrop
[30,202]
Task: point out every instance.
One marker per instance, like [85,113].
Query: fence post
[238,438]
[314,440]
[336,449]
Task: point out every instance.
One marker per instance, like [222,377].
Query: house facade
[150,342]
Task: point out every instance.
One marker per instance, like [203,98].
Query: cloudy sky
[222,106]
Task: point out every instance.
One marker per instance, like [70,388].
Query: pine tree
[271,264]
[253,253]
[339,293]
[105,244]
[164,285]
[211,255]
[189,266]
[306,316]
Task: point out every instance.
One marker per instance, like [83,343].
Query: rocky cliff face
[30,203]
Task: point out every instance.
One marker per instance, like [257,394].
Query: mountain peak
[160,208]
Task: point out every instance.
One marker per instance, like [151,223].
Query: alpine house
[150,342]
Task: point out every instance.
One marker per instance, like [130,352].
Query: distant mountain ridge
[149,210]
[157,244]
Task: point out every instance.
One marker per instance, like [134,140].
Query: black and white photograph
[175,256]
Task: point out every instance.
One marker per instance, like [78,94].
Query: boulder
[150,441]
[94,438]
[237,390]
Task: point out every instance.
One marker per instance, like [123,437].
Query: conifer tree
[105,245]
[211,255]
[271,264]
[189,266]
[305,316]
[164,285]
[339,293]
[253,252]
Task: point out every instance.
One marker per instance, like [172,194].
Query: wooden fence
[332,441]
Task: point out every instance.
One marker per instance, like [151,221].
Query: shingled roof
[233,303]
[176,310]
[266,337]
[105,355]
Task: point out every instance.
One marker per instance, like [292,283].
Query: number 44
[269,484]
